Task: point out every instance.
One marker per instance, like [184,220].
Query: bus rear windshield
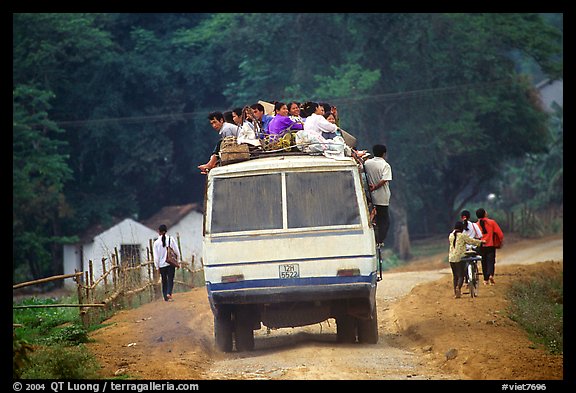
[314,199]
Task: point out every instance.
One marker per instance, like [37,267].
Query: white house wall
[126,232]
[189,230]
[71,256]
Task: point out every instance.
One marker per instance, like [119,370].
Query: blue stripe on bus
[290,282]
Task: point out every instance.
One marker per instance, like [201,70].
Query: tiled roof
[171,215]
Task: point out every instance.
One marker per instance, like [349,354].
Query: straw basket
[285,141]
[231,151]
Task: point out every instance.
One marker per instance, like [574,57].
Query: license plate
[290,270]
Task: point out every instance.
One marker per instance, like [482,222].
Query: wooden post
[91,270]
[151,270]
[114,274]
[150,280]
[81,310]
[179,247]
[192,272]
[92,289]
[87,286]
[105,275]
[87,289]
[121,280]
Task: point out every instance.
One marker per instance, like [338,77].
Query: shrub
[537,305]
[20,355]
[61,362]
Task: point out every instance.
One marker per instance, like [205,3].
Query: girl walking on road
[167,271]
[458,241]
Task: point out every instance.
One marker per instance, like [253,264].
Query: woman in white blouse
[310,139]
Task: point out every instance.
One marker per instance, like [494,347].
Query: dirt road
[425,334]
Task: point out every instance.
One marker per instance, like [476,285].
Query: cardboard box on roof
[268,107]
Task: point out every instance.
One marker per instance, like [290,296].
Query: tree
[38,177]
[454,99]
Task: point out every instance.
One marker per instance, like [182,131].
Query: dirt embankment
[424,333]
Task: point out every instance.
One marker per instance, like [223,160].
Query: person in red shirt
[492,238]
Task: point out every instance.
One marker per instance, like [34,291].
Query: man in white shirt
[224,129]
[379,175]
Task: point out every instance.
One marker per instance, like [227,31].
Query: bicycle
[471,259]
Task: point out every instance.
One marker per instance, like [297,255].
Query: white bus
[288,242]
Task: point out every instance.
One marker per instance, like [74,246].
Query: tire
[346,329]
[476,280]
[368,329]
[472,280]
[223,330]
[244,331]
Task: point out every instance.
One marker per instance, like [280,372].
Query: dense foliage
[110,110]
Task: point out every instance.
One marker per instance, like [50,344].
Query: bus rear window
[247,203]
[313,199]
[317,199]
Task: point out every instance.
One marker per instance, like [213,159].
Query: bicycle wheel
[476,279]
[472,280]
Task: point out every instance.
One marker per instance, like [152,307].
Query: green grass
[61,362]
[49,345]
[537,306]
[42,324]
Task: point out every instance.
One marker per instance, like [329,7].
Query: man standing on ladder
[379,175]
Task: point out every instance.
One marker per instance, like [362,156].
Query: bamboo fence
[118,286]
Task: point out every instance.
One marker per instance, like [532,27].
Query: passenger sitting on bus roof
[315,121]
[310,139]
[334,111]
[228,118]
[262,117]
[329,108]
[237,116]
[281,123]
[224,129]
[294,112]
[332,119]
[250,128]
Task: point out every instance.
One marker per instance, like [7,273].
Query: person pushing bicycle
[458,241]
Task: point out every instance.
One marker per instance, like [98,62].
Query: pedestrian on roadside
[472,230]
[492,238]
[458,241]
[166,270]
[379,175]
